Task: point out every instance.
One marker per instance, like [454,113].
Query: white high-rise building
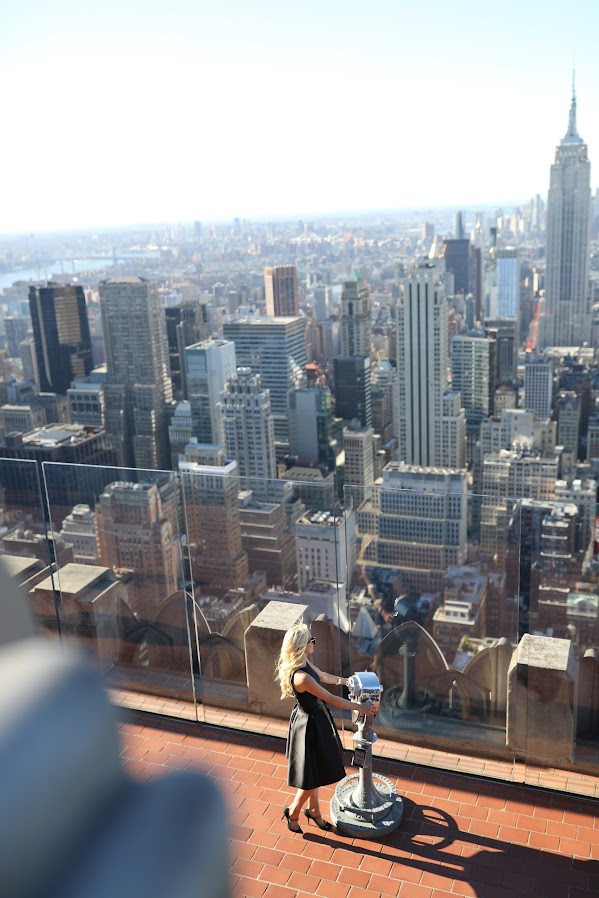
[566,315]
[325,545]
[248,426]
[356,328]
[138,386]
[209,364]
[323,303]
[422,360]
[358,444]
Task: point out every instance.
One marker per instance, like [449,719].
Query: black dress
[314,750]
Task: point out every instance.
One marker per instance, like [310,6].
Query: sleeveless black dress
[314,751]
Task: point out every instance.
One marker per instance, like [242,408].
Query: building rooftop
[461,835]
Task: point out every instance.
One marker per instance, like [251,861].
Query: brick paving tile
[278,875]
[383,884]
[328,889]
[354,877]
[252,888]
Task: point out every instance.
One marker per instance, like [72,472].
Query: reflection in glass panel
[30,550]
[259,553]
[121,588]
[434,609]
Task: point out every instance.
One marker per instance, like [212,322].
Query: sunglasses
[313,640]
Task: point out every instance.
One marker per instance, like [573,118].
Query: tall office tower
[61,335]
[248,427]
[136,537]
[275,349]
[313,434]
[210,485]
[281,290]
[474,376]
[186,324]
[565,318]
[353,389]
[464,261]
[209,365]
[422,369]
[538,387]
[568,427]
[457,255]
[29,358]
[507,266]
[138,386]
[458,229]
[180,432]
[505,333]
[15,327]
[358,443]
[323,303]
[356,331]
[417,524]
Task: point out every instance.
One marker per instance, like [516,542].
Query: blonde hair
[292,655]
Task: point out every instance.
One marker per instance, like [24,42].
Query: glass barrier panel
[120,581]
[29,549]
[434,605]
[259,556]
[562,694]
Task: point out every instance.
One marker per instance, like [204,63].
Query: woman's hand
[369,708]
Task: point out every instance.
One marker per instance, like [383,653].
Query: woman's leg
[314,805]
[302,796]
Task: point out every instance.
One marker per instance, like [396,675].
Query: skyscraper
[424,429]
[353,389]
[538,387]
[248,427]
[281,290]
[474,376]
[138,386]
[61,335]
[508,282]
[565,319]
[209,364]
[275,349]
[355,318]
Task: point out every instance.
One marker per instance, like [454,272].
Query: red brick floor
[460,836]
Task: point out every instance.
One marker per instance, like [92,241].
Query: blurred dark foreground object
[72,823]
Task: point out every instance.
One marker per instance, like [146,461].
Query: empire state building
[566,319]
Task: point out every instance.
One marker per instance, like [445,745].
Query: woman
[314,751]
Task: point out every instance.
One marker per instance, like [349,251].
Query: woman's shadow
[430,840]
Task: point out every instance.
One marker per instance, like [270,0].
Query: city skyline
[176,127]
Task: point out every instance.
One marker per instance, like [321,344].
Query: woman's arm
[330,679]
[303,682]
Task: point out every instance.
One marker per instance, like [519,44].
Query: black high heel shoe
[292,825]
[323,824]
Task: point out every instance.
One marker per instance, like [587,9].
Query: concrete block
[541,713]
[263,641]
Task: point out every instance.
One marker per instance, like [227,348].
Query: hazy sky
[127,111]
